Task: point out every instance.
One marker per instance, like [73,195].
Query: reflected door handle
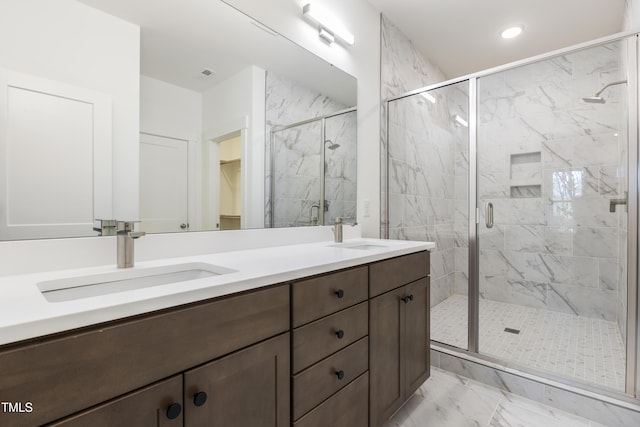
[488,215]
[184,226]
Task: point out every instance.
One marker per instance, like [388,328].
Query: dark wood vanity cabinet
[159,405]
[341,349]
[69,373]
[249,388]
[398,332]
[219,390]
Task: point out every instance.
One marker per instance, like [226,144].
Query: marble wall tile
[440,288]
[595,242]
[608,274]
[461,284]
[403,68]
[521,292]
[442,263]
[296,151]
[538,239]
[557,269]
[587,302]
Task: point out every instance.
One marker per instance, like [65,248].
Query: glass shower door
[552,185]
[428,180]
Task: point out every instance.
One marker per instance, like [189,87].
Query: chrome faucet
[337,229]
[126,235]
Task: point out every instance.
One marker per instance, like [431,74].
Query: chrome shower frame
[633,260]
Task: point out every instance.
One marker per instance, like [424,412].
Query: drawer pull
[340,374]
[200,398]
[339,293]
[407,298]
[173,411]
[340,334]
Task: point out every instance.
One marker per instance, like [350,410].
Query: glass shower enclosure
[313,171]
[525,176]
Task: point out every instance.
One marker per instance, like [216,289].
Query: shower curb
[609,410]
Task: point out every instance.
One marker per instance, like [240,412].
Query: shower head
[597,99]
[332,145]
[594,100]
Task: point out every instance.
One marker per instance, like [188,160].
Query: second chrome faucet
[125,235]
[337,228]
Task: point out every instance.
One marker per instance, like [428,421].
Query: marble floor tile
[575,347]
[449,400]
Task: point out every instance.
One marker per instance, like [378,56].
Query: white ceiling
[463,36]
[181,38]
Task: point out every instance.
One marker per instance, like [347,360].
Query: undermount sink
[74,288]
[357,245]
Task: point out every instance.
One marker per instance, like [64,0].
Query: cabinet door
[247,388]
[159,405]
[416,339]
[386,326]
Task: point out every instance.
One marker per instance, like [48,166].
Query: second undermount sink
[357,245]
[79,287]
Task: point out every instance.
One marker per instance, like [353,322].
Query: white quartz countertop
[25,313]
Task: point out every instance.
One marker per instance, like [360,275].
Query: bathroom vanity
[334,335]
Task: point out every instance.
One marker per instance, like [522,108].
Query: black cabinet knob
[407,298]
[199,398]
[340,374]
[173,411]
[339,293]
[340,334]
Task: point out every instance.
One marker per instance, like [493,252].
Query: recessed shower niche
[525,175]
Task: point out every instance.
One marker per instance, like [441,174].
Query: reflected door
[163,184]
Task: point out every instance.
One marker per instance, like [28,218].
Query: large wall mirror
[185,115]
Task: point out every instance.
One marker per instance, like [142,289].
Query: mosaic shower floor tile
[574,347]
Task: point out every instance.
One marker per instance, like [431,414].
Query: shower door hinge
[477,215]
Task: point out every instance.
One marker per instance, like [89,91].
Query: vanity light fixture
[511,32]
[428,97]
[329,27]
[461,121]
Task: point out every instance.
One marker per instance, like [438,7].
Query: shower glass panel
[296,173]
[552,162]
[313,177]
[428,180]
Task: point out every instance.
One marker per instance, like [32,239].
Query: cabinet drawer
[395,272]
[346,408]
[312,386]
[320,296]
[319,339]
[143,408]
[123,356]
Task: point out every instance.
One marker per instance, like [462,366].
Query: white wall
[106,58]
[236,103]
[169,110]
[361,60]
[40,37]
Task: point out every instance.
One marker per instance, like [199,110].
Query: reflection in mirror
[314,171]
[171,89]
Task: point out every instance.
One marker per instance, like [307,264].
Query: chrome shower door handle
[488,215]
[615,202]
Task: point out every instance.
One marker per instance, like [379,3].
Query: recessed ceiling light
[511,32]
